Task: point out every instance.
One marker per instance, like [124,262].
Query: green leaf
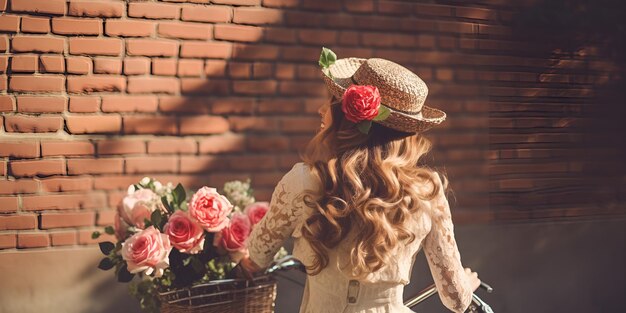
[166,204]
[197,265]
[327,58]
[123,275]
[364,126]
[95,235]
[106,247]
[155,219]
[109,230]
[383,113]
[106,264]
[179,194]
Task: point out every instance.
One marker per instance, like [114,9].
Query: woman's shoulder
[300,174]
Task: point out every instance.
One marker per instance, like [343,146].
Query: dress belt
[378,293]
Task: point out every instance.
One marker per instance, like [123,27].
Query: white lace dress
[333,291]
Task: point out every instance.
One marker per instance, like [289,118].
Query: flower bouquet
[184,248]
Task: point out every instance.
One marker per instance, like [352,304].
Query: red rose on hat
[360,103]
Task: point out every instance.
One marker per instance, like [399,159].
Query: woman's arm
[278,223]
[453,283]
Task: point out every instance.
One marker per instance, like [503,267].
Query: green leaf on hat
[383,113]
[327,58]
[364,126]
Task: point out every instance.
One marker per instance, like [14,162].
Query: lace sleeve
[279,222]
[443,257]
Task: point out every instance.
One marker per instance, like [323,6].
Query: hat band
[394,109]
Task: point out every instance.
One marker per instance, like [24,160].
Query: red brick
[95,166]
[215,68]
[136,66]
[238,32]
[243,123]
[66,148]
[202,164]
[115,182]
[8,241]
[164,66]
[257,16]
[223,143]
[154,10]
[152,84]
[281,35]
[34,104]
[4,63]
[78,124]
[19,186]
[33,240]
[129,28]
[17,222]
[19,149]
[95,83]
[150,125]
[4,43]
[105,217]
[199,105]
[24,63]
[43,44]
[252,162]
[96,46]
[190,67]
[79,65]
[129,103]
[256,52]
[172,145]
[8,204]
[35,24]
[203,125]
[240,70]
[62,220]
[9,23]
[185,30]
[299,124]
[41,83]
[279,105]
[66,238]
[268,143]
[151,47]
[7,103]
[120,146]
[22,168]
[281,3]
[216,50]
[107,66]
[237,2]
[52,64]
[39,6]
[84,104]
[319,37]
[213,13]
[151,164]
[32,124]
[262,70]
[63,184]
[64,201]
[96,8]
[76,26]
[256,87]
[84,237]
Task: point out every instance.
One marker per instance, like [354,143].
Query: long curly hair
[371,183]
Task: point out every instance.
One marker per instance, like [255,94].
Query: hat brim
[342,71]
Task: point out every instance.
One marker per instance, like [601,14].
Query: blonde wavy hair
[371,183]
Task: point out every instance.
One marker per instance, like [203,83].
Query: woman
[359,206]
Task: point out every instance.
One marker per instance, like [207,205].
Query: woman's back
[333,289]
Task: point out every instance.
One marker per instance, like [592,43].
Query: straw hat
[401,90]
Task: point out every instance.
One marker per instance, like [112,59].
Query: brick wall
[97,94]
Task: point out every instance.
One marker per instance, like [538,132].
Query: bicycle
[477,305]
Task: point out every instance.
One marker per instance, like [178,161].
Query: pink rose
[233,237]
[184,233]
[147,251]
[360,103]
[256,211]
[210,209]
[137,206]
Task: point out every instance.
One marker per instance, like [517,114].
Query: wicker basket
[222,296]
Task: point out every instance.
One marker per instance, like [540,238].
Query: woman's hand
[247,268]
[473,278]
